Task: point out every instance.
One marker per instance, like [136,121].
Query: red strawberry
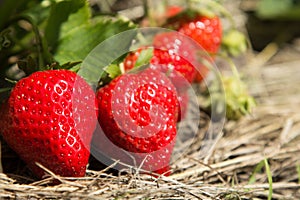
[179,71]
[138,114]
[50,118]
[173,54]
[178,53]
[207,31]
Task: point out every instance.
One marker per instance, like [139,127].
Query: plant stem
[44,56]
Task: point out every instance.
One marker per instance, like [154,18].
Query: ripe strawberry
[173,54]
[138,114]
[49,118]
[207,32]
[179,71]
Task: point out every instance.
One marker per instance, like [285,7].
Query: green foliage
[113,71]
[144,57]
[234,42]
[7,9]
[77,43]
[77,12]
[298,172]
[270,180]
[104,54]
[264,163]
[279,9]
[57,34]
[257,169]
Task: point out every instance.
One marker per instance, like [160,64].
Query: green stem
[39,45]
[43,55]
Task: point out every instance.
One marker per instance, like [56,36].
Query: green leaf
[80,34]
[298,172]
[69,65]
[73,12]
[78,42]
[93,66]
[38,12]
[144,57]
[7,9]
[113,70]
[279,9]
[257,169]
[270,179]
[109,73]
[4,89]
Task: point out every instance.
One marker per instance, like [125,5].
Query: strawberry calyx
[234,42]
[238,101]
[232,92]
[110,72]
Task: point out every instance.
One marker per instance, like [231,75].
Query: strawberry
[176,52]
[203,29]
[49,118]
[207,32]
[173,54]
[138,114]
[179,71]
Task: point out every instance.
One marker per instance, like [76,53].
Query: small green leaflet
[109,73]
[144,57]
[113,70]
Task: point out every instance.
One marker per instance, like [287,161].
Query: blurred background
[265,21]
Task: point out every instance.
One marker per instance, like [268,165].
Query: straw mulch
[232,168]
